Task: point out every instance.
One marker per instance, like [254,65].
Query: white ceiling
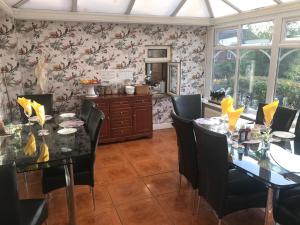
[176,8]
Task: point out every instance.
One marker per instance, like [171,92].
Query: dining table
[277,167]
[63,148]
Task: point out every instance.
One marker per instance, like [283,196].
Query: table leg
[269,220]
[70,193]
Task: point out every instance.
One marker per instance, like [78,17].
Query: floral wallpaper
[77,51]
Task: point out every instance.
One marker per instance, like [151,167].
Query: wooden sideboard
[127,117]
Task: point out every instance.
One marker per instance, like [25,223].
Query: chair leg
[195,200]
[26,183]
[220,222]
[93,195]
[179,182]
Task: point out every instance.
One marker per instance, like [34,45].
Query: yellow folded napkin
[30,147]
[227,105]
[269,111]
[26,104]
[39,111]
[44,156]
[233,117]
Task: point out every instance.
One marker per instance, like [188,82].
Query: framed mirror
[174,77]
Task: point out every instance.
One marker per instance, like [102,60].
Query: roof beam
[130,6]
[20,3]
[278,1]
[74,6]
[6,8]
[211,14]
[179,6]
[232,6]
[28,14]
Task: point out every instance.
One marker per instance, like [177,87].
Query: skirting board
[159,126]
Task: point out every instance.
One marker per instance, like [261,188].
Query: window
[288,78]
[224,70]
[257,33]
[244,66]
[292,30]
[253,75]
[241,67]
[227,37]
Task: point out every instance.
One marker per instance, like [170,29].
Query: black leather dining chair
[54,178]
[226,190]
[186,149]
[44,99]
[85,109]
[14,211]
[286,207]
[283,118]
[297,128]
[188,106]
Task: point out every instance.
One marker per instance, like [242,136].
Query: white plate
[67,115]
[67,131]
[251,142]
[36,119]
[71,123]
[283,134]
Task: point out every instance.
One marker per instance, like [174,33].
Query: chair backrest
[188,106]
[186,149]
[212,156]
[283,119]
[94,126]
[9,204]
[297,128]
[260,114]
[45,99]
[85,109]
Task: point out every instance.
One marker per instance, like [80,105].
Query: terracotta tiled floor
[136,184]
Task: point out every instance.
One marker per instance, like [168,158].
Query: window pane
[226,37]
[257,33]
[224,70]
[288,78]
[50,5]
[292,30]
[194,8]
[104,6]
[220,8]
[154,7]
[252,82]
[247,5]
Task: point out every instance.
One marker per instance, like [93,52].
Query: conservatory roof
[177,10]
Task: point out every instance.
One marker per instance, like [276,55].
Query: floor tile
[128,192]
[162,183]
[143,212]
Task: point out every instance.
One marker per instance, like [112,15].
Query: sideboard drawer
[122,103]
[117,114]
[142,101]
[122,122]
[120,132]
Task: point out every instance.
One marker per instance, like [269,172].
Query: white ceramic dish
[65,131]
[129,90]
[71,123]
[67,115]
[283,134]
[36,119]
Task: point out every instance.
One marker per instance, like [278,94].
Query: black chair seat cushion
[53,178]
[244,192]
[33,211]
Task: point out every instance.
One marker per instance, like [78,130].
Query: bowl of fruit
[90,85]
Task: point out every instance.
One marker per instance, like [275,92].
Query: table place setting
[67,115]
[71,123]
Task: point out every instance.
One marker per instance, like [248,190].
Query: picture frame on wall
[158,53]
[174,78]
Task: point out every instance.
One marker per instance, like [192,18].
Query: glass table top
[51,150]
[278,167]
